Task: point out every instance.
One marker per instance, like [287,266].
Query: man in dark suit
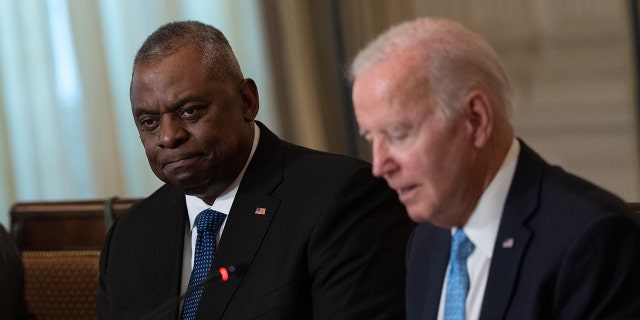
[304,234]
[502,234]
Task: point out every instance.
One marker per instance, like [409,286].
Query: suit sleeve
[356,252]
[103,296]
[599,276]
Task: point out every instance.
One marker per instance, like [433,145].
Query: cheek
[146,144]
[150,152]
[154,165]
[436,161]
[145,139]
[150,155]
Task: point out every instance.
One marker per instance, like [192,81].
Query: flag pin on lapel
[260,211]
[508,244]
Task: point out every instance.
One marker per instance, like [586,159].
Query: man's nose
[383,163]
[172,132]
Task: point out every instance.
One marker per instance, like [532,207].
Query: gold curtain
[304,43]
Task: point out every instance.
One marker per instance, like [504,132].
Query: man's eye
[188,112]
[398,136]
[148,123]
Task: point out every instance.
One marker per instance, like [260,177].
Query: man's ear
[480,117]
[250,100]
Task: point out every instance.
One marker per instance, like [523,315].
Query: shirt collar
[223,203]
[482,226]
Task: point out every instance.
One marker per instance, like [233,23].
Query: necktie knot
[461,246]
[209,220]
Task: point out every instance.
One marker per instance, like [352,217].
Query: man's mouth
[178,162]
[406,192]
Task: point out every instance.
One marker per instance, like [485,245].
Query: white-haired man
[502,234]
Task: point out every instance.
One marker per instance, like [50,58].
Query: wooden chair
[60,243]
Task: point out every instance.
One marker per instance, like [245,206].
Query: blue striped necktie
[207,223]
[458,281]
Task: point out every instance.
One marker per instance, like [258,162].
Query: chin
[417,215]
[186,185]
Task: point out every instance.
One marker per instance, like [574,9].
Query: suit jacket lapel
[513,235]
[435,268]
[251,214]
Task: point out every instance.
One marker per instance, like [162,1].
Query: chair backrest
[64,225]
[60,243]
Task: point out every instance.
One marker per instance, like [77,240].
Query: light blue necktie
[458,281]
[207,224]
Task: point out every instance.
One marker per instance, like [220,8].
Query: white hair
[454,60]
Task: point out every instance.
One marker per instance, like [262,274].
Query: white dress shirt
[482,230]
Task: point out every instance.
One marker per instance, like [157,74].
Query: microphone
[223,274]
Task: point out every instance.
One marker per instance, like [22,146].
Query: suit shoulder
[151,206]
[568,190]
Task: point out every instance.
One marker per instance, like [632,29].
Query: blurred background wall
[65,126]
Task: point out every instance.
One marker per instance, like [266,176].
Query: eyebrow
[141,111]
[175,106]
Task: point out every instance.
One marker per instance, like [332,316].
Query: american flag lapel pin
[261,211]
[508,243]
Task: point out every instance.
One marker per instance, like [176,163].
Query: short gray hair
[217,55]
[455,60]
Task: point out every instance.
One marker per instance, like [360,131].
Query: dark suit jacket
[575,255]
[330,246]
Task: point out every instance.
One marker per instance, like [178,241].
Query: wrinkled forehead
[397,81]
